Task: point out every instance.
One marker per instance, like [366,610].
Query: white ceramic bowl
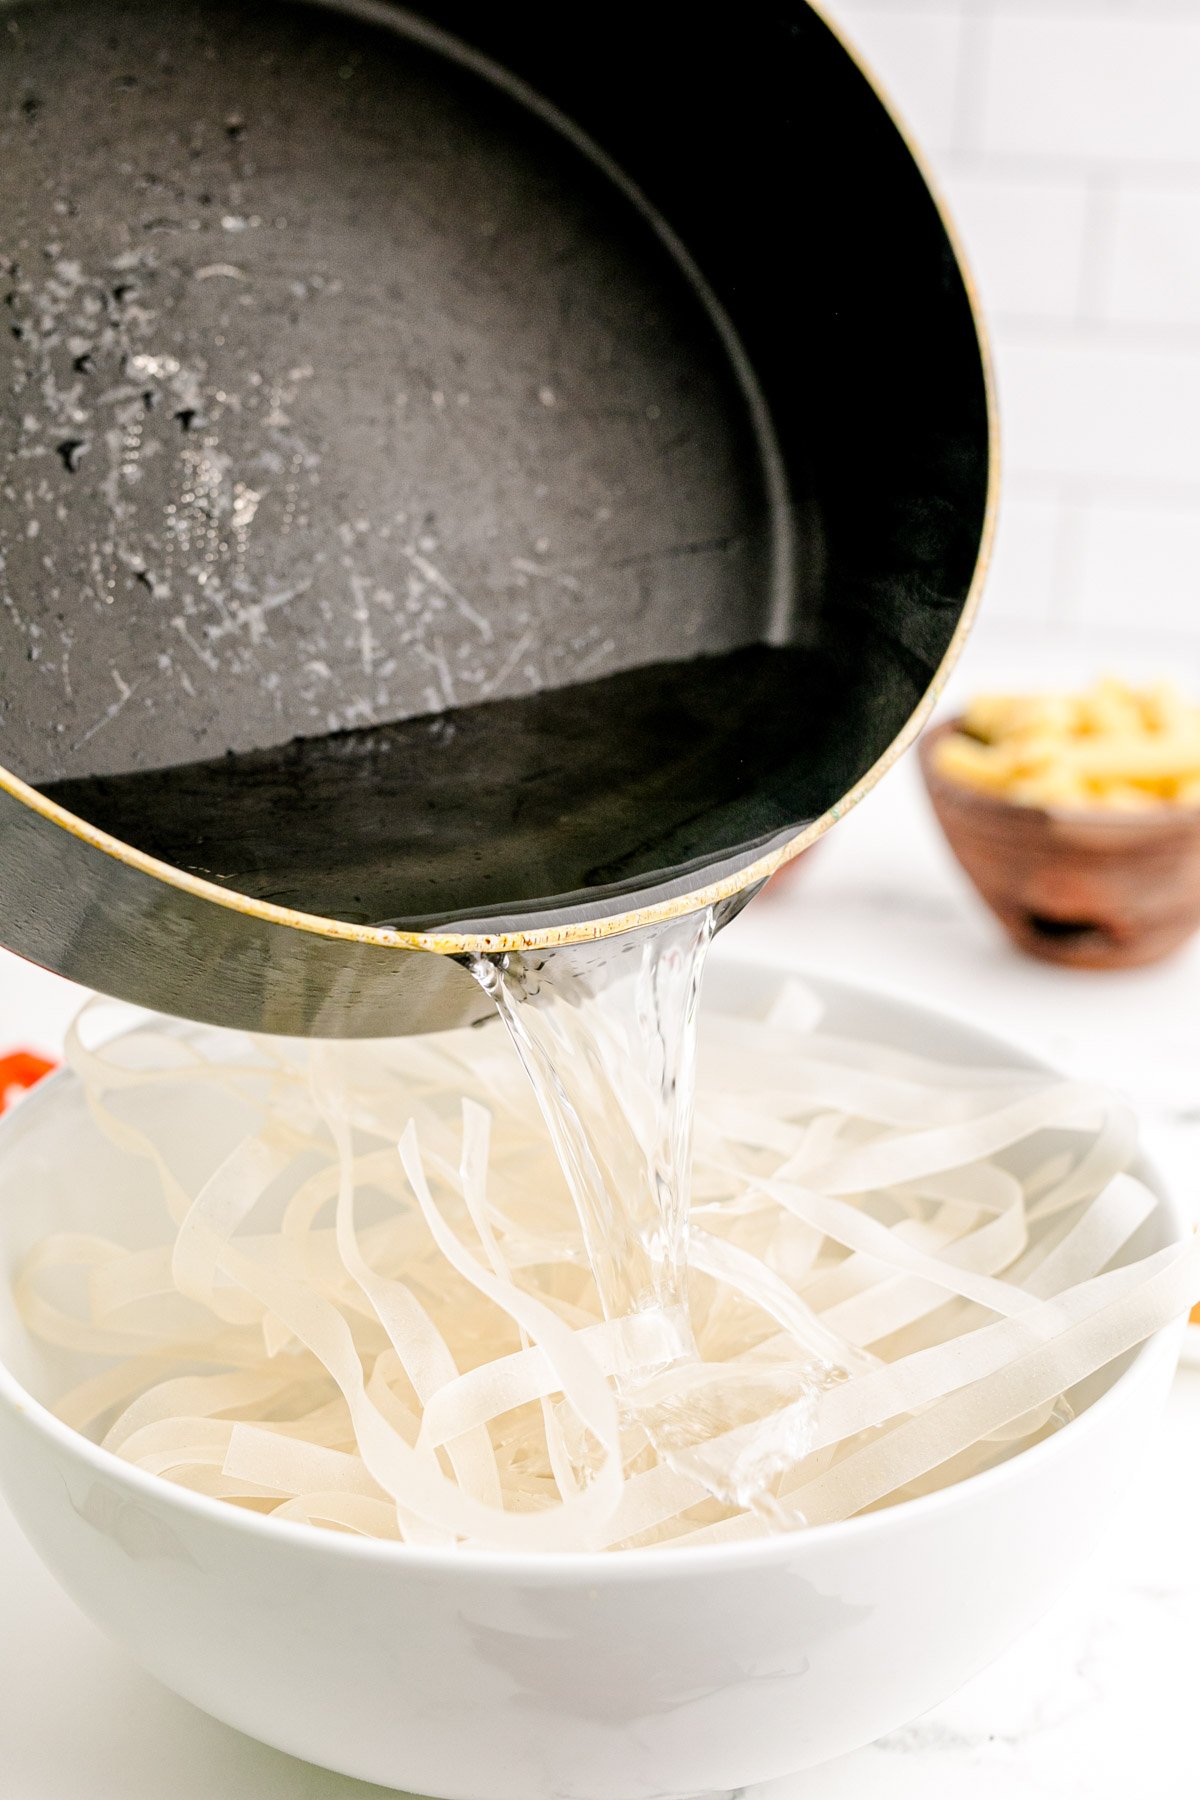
[484,1676]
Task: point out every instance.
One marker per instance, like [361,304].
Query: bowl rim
[1170,813]
[655,1562]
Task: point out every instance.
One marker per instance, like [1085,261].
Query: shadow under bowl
[1091,888]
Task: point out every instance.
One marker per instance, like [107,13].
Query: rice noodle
[369,1309]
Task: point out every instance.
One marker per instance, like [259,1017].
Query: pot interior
[577,437]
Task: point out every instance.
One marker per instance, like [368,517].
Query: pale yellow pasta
[1112,746]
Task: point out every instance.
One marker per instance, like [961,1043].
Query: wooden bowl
[1094,889]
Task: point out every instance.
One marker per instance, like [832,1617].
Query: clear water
[607,1035]
[606,1032]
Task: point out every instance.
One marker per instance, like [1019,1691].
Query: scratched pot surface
[338,376]
[353,387]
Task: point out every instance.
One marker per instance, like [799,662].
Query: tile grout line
[1158,12]
[1164,172]
[974,36]
[1068,558]
[1093,334]
[1131,493]
[1099,234]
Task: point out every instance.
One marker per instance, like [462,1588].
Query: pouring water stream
[606,1033]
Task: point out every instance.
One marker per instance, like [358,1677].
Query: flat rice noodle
[442,1374]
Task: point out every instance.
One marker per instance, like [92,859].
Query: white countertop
[1099,1702]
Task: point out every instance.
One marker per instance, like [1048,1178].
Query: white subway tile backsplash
[1113,88]
[1141,566]
[1065,135]
[1024,239]
[1022,579]
[1087,408]
[914,52]
[1153,256]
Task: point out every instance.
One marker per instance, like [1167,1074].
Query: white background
[1065,135]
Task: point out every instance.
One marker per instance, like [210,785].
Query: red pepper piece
[19,1070]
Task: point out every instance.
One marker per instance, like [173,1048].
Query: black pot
[355,347]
